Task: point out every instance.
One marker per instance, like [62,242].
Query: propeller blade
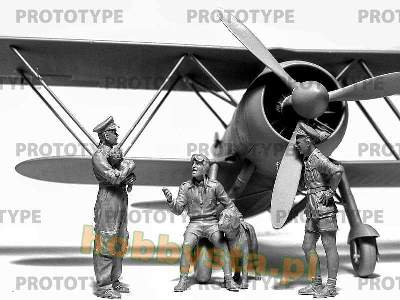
[286,184]
[296,210]
[255,46]
[372,88]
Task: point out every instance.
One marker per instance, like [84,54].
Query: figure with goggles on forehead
[200,197]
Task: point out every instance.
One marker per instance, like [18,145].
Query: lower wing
[172,172]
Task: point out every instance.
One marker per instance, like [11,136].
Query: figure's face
[303,145]
[111,137]
[199,169]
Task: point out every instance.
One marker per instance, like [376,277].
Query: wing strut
[152,114]
[191,85]
[215,80]
[163,85]
[171,77]
[55,113]
[53,95]
[207,89]
[365,112]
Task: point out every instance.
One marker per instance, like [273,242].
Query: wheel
[363,255]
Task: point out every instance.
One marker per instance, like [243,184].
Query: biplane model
[310,85]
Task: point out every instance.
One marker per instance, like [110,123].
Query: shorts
[202,228]
[320,225]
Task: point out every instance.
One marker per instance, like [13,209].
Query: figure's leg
[311,237]
[120,248]
[189,242]
[102,270]
[103,265]
[117,271]
[236,270]
[332,256]
[311,255]
[219,243]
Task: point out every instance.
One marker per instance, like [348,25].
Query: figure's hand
[301,124]
[130,164]
[131,179]
[167,194]
[327,197]
[277,165]
[243,224]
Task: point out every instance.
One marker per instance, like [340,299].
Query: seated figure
[200,197]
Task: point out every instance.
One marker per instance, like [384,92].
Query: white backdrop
[29,249]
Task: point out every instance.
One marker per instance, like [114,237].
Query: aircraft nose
[310,99]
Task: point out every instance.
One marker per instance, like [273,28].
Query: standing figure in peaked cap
[110,212]
[321,178]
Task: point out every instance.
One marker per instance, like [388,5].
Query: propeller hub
[310,99]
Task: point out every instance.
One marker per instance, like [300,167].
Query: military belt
[193,218]
[317,189]
[108,185]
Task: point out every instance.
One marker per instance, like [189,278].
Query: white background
[65,209]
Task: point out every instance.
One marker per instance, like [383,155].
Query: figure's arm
[106,171]
[333,171]
[128,165]
[178,205]
[223,198]
[314,131]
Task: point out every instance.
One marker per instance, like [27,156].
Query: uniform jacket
[318,170]
[201,200]
[112,200]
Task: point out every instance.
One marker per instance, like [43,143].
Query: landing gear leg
[362,237]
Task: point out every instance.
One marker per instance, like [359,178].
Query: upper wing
[112,64]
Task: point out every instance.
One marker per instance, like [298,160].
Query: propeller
[309,100]
[372,88]
[255,46]
[286,184]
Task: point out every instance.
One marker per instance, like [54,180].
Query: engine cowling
[261,127]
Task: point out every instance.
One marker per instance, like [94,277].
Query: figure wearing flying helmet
[320,179]
[200,197]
